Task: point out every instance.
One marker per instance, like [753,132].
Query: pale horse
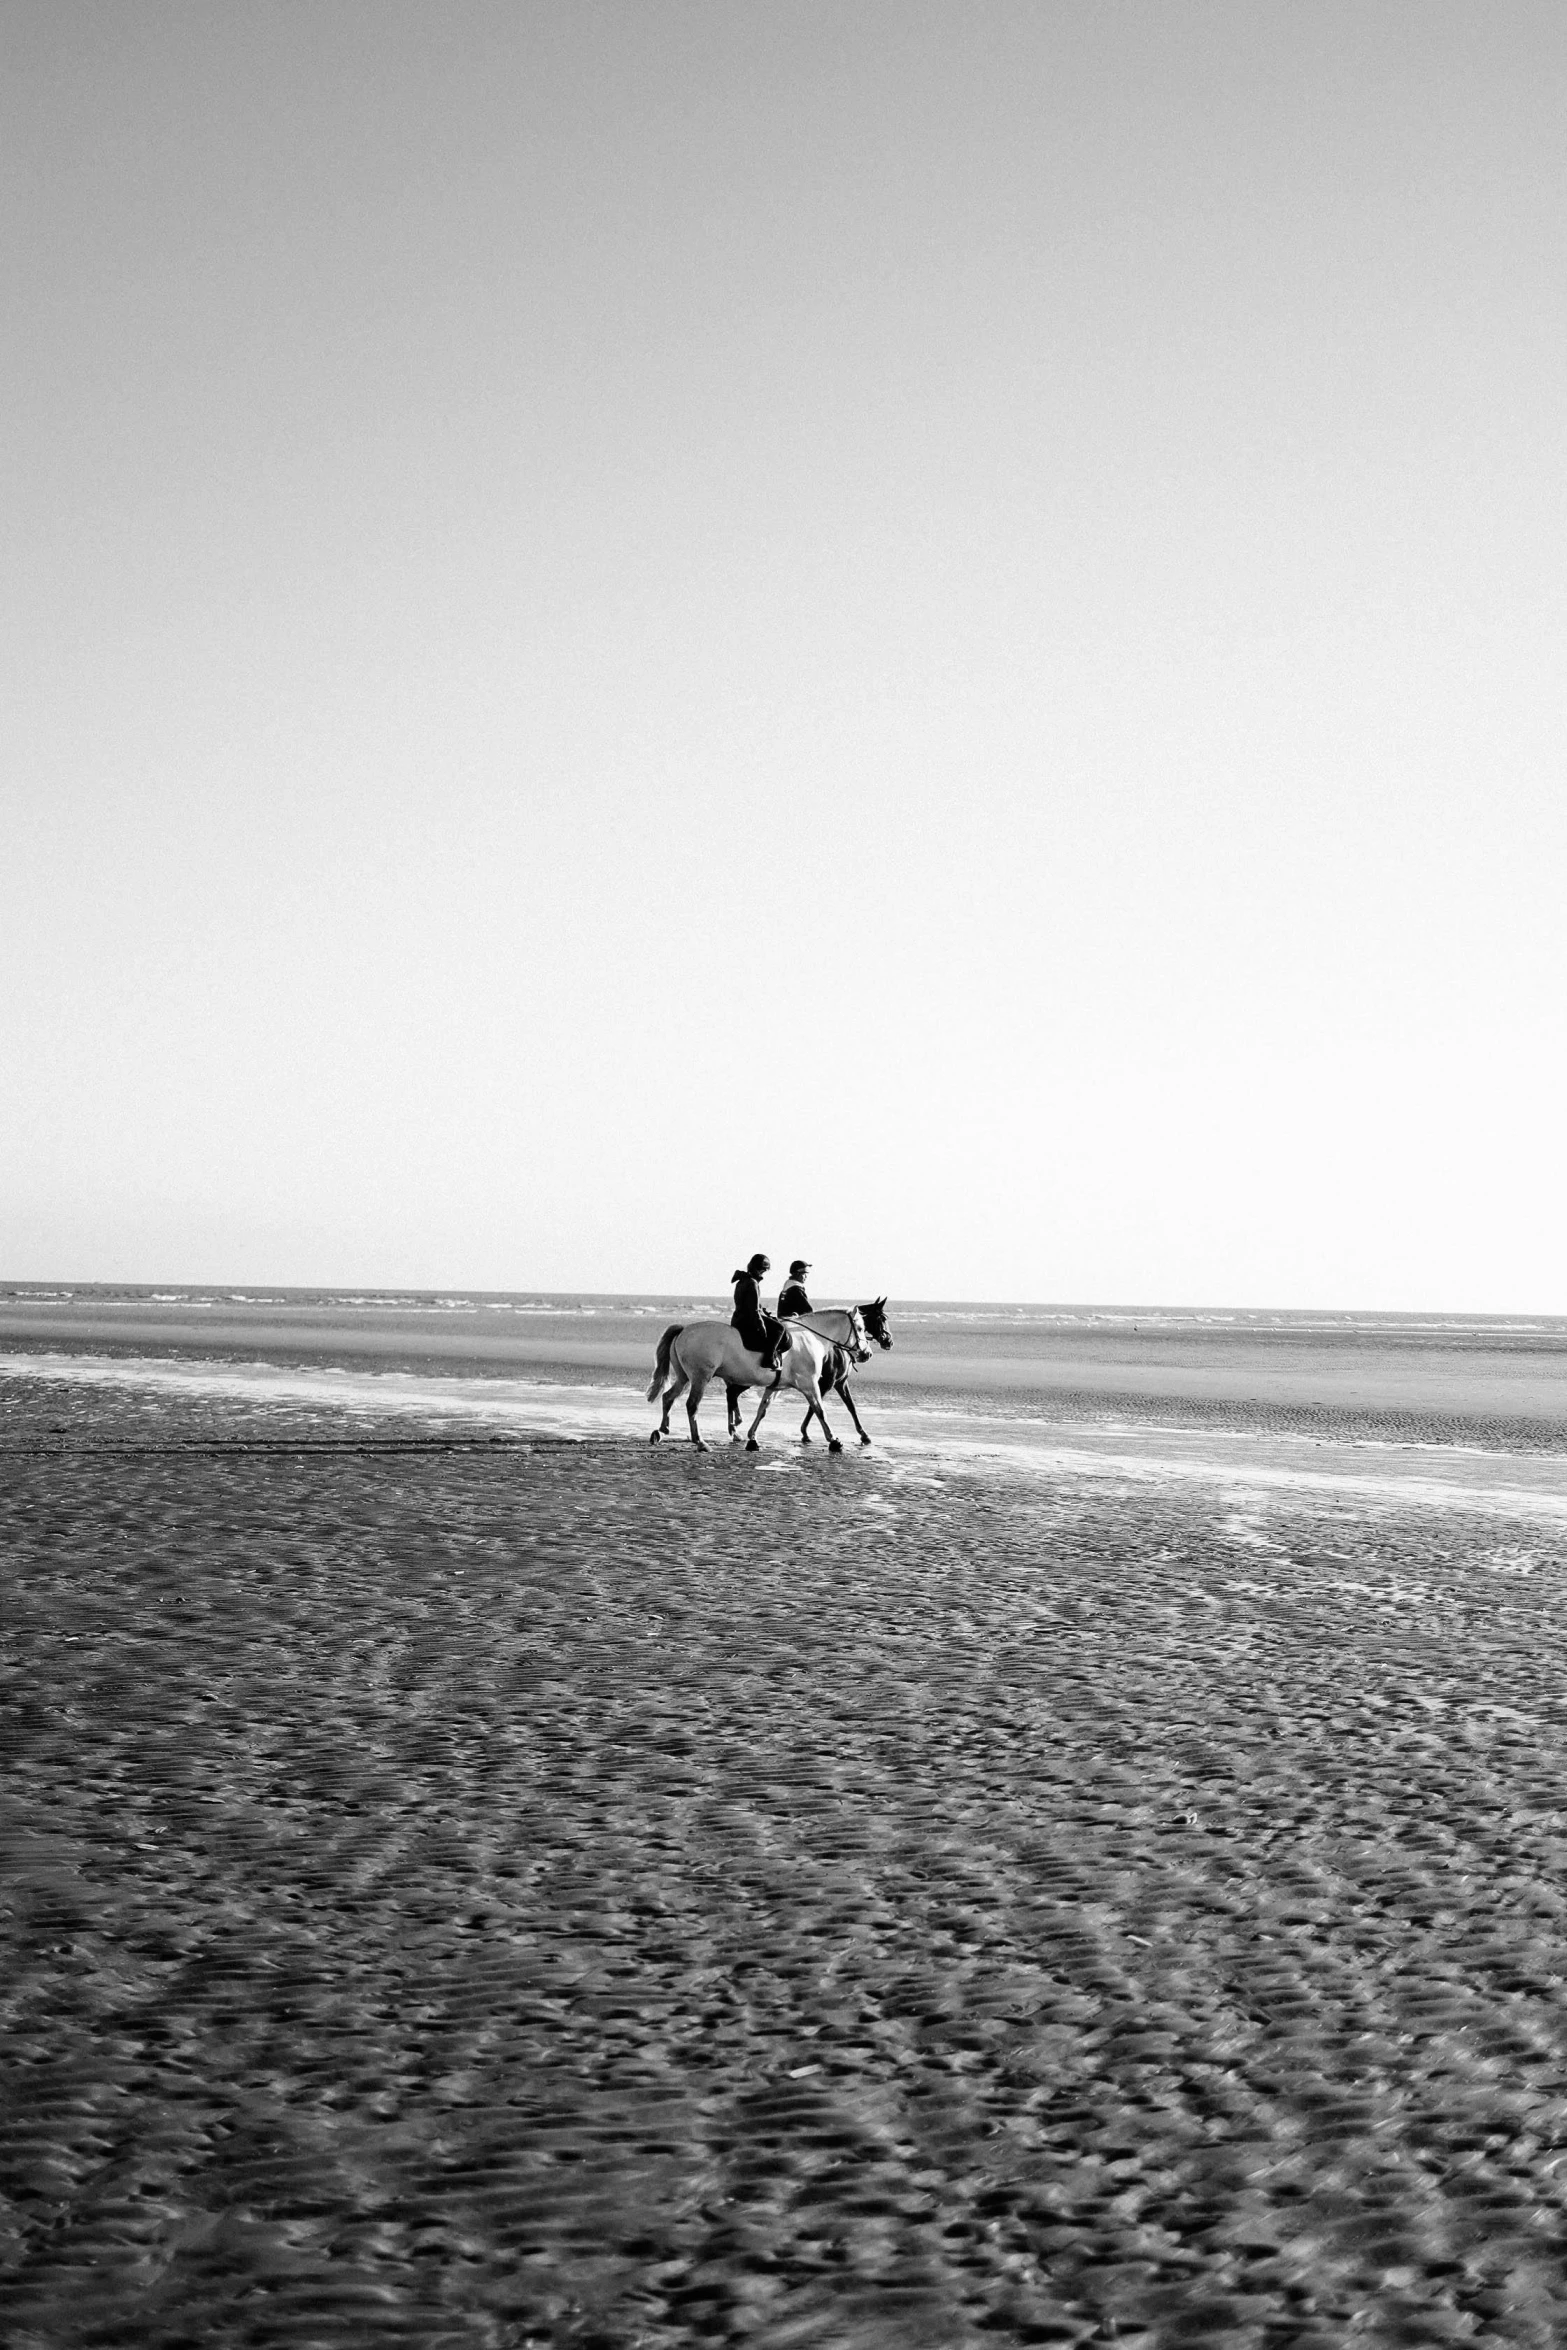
[835,1323]
[695,1353]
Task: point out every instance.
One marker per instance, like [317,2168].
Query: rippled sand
[578,1894]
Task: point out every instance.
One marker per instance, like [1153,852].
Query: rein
[858,1334]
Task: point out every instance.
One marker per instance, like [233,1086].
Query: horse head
[874,1316]
[857,1346]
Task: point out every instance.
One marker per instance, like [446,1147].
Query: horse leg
[751,1444]
[805,1424]
[815,1406]
[843,1390]
[732,1397]
[698,1390]
[670,1393]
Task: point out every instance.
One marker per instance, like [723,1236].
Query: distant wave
[941,1317]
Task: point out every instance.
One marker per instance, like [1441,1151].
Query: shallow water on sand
[471,1878]
[975,1430]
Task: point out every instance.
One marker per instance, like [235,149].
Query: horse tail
[661,1367]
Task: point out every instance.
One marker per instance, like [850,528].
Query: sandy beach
[477,1886]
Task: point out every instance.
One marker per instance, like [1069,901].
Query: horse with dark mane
[692,1354]
[835,1324]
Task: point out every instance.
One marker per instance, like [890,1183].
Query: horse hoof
[865,1440]
[697,1444]
[657,1436]
[751,1444]
[835,1446]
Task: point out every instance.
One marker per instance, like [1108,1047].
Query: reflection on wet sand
[567,1893]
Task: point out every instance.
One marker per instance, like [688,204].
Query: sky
[925,636]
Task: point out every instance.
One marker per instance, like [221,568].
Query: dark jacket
[792,1299]
[747,1317]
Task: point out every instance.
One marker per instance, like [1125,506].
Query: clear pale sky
[928,636]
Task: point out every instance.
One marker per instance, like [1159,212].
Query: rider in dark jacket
[757,1330]
[792,1299]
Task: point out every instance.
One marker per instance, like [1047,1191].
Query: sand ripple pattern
[589,1896]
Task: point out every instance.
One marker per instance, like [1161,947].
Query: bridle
[858,1347]
[861,1337]
[883,1338]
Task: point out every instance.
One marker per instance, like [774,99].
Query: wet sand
[463,1888]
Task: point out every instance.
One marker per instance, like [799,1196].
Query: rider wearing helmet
[792,1300]
[757,1330]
